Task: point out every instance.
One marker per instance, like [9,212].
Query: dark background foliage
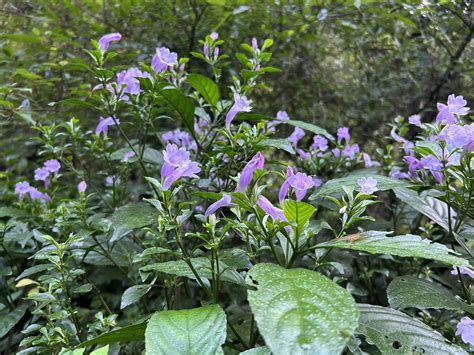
[358,63]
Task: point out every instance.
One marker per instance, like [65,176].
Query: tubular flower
[257,162]
[465,329]
[297,134]
[301,183]
[286,185]
[456,106]
[320,143]
[225,201]
[343,134]
[163,60]
[241,104]
[268,208]
[104,123]
[105,40]
[367,185]
[177,165]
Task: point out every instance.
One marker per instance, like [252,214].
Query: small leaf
[9,319]
[299,311]
[197,331]
[279,143]
[134,332]
[393,332]
[133,295]
[298,212]
[409,245]
[205,86]
[183,105]
[410,291]
[263,350]
[132,216]
[310,127]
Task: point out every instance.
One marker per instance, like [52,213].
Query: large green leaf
[334,186]
[301,311]
[310,127]
[202,267]
[132,216]
[375,242]
[410,291]
[9,319]
[279,143]
[182,104]
[205,86]
[263,350]
[134,332]
[393,332]
[432,208]
[197,331]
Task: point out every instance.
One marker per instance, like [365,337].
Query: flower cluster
[177,164]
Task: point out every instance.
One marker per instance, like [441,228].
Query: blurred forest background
[358,63]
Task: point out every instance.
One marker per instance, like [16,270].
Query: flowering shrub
[223,235]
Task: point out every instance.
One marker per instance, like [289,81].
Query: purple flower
[407,145]
[128,155]
[81,187]
[254,44]
[163,60]
[297,134]
[225,201]
[22,188]
[205,49]
[105,40]
[317,181]
[367,160]
[465,329]
[257,162]
[351,150]
[301,183]
[103,126]
[336,152]
[216,53]
[367,185]
[180,138]
[303,154]
[281,116]
[343,133]
[268,208]
[214,36]
[456,136]
[286,185]
[464,271]
[41,174]
[52,165]
[177,165]
[456,106]
[36,195]
[128,83]
[241,104]
[109,180]
[413,164]
[415,120]
[397,174]
[433,164]
[320,143]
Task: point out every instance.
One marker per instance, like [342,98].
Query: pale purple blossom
[81,187]
[104,123]
[128,155]
[216,53]
[163,60]
[254,44]
[351,150]
[286,185]
[456,106]
[456,136]
[22,188]
[127,82]
[246,176]
[177,165]
[303,154]
[368,185]
[465,329]
[105,40]
[52,165]
[37,195]
[205,49]
[464,271]
[109,180]
[367,160]
[407,145]
[434,165]
[281,116]
[180,138]
[214,36]
[41,174]
[415,120]
[319,143]
[317,181]
[336,152]
[297,134]
[343,134]
[413,164]
[301,183]
[268,208]
[225,201]
[241,104]
[397,174]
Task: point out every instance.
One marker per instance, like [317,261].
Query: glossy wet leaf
[198,331]
[410,291]
[130,217]
[409,245]
[334,186]
[299,311]
[393,332]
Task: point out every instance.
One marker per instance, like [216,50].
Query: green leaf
[410,291]
[310,127]
[432,208]
[334,186]
[9,319]
[279,143]
[375,242]
[205,86]
[72,102]
[393,332]
[132,216]
[133,295]
[301,311]
[134,332]
[27,74]
[298,212]
[101,351]
[11,212]
[263,350]
[202,267]
[197,331]
[183,105]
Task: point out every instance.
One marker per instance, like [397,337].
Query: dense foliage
[176,205]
